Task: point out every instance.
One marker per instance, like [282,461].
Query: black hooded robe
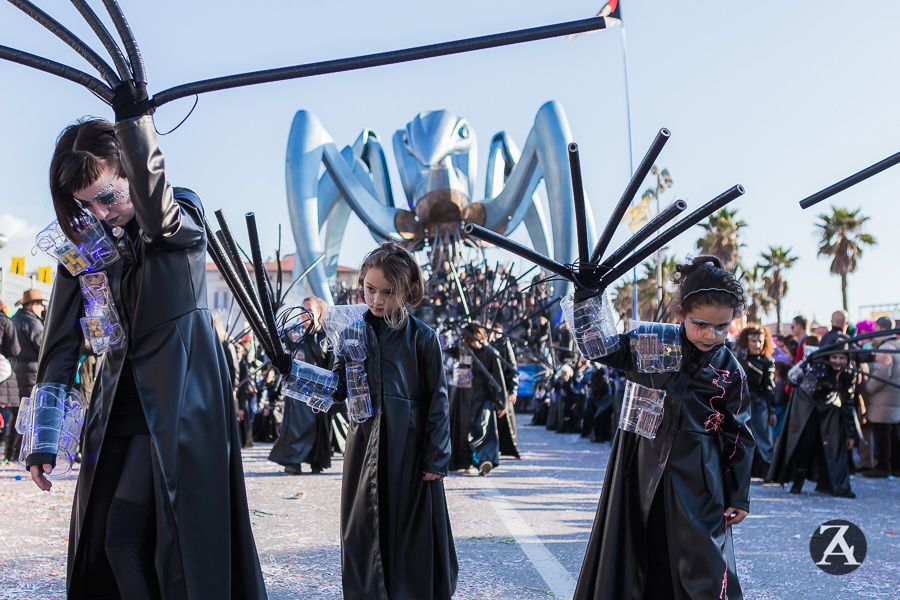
[659,530]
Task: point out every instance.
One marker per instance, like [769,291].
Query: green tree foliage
[842,238]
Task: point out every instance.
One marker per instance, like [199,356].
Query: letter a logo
[838,547]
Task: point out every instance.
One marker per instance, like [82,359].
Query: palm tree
[648,308]
[721,237]
[775,263]
[842,238]
[758,301]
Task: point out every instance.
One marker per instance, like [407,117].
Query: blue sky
[784,103]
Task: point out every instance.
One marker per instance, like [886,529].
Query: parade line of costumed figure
[819,427]
[160,507]
[679,470]
[754,351]
[396,541]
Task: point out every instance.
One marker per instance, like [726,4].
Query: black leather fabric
[205,547]
[830,414]
[688,474]
[396,541]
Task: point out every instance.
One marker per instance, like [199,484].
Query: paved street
[520,533]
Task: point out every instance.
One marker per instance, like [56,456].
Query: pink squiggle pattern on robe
[714,423]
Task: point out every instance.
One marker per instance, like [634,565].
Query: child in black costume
[668,503]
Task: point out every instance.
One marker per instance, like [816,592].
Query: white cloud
[20,241]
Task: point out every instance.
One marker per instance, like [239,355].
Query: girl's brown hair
[743,340]
[84,150]
[404,274]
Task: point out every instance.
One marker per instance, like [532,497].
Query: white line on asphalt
[560,581]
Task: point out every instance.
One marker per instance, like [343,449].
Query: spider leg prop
[379,59]
[279,357]
[842,185]
[93,85]
[630,190]
[105,37]
[134,53]
[57,29]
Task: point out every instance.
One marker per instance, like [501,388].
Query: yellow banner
[18,265]
[45,274]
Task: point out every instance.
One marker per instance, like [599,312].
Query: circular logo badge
[838,547]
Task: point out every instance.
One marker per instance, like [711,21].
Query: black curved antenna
[134,53]
[379,59]
[105,38]
[57,29]
[94,85]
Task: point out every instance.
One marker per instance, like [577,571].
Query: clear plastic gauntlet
[462,371]
[312,385]
[101,325]
[345,329]
[642,410]
[50,422]
[593,325]
[359,403]
[94,251]
[655,347]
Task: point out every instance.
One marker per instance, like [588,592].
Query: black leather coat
[833,413]
[205,547]
[696,467]
[305,435]
[396,542]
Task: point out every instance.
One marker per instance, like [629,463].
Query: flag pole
[634,289]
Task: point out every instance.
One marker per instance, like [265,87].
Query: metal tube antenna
[842,185]
[578,192]
[57,29]
[232,248]
[516,248]
[630,190]
[281,360]
[859,338]
[105,38]
[94,85]
[379,59]
[233,282]
[249,291]
[672,211]
[670,234]
[134,53]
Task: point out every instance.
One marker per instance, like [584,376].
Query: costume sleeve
[436,457]
[62,342]
[737,444]
[163,221]
[339,368]
[621,358]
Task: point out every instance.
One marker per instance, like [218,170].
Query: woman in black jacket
[160,507]
[755,349]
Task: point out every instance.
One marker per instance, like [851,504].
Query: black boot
[799,480]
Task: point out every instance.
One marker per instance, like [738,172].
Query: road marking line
[560,581]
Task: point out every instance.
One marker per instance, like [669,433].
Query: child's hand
[431,477]
[733,516]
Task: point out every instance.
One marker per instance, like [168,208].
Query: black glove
[131,100]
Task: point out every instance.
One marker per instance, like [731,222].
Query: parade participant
[883,403]
[9,386]
[305,434]
[488,400]
[819,429]
[506,426]
[754,351]
[668,503]
[160,507]
[396,541]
